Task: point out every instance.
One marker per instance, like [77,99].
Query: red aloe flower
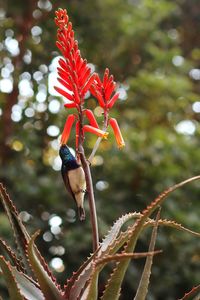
[104,90]
[117,132]
[74,73]
[89,114]
[96,131]
[105,93]
[67,129]
[70,105]
[75,77]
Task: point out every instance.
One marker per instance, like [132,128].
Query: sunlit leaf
[48,287]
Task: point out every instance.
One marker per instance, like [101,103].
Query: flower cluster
[104,92]
[76,79]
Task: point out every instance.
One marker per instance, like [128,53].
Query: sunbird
[74,178]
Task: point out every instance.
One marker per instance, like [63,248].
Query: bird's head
[67,158]
[65,153]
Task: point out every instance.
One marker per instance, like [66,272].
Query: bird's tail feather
[81,213]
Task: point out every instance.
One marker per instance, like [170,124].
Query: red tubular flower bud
[68,80]
[100,99]
[109,90]
[70,105]
[98,80]
[62,63]
[64,83]
[67,129]
[89,114]
[61,17]
[109,82]
[78,59]
[88,84]
[82,65]
[113,100]
[64,93]
[60,46]
[84,75]
[105,77]
[76,94]
[117,133]
[96,131]
[98,95]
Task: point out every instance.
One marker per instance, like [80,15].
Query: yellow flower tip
[121,145]
[105,135]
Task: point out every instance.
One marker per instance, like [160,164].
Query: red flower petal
[113,100]
[105,77]
[76,95]
[96,131]
[64,93]
[88,84]
[117,133]
[84,75]
[91,118]
[98,81]
[67,129]
[62,63]
[109,81]
[109,90]
[98,95]
[64,83]
[70,105]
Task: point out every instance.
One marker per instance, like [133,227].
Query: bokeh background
[153,49]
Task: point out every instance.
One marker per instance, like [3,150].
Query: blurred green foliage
[153,50]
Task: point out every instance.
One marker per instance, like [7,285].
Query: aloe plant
[28,276]
[25,271]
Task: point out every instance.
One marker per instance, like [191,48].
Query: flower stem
[93,215]
[89,185]
[98,141]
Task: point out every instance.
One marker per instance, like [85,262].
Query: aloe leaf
[28,288]
[115,229]
[11,255]
[79,278]
[113,287]
[118,242]
[172,224]
[13,289]
[124,256]
[144,280]
[47,285]
[194,294]
[81,283]
[21,235]
[91,292]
